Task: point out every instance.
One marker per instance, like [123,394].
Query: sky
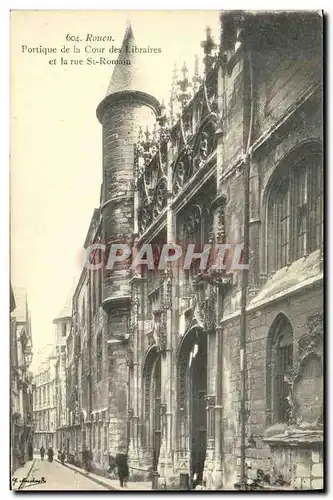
[56,139]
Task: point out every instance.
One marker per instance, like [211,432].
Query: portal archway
[192,390]
[152,405]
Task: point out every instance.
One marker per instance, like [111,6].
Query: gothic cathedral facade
[210,373]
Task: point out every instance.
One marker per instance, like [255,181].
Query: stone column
[215,403]
[218,418]
[133,364]
[210,394]
[165,467]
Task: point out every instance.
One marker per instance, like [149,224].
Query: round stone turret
[127,106]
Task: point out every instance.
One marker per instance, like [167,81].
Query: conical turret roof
[131,73]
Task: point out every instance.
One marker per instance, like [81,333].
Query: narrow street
[57,477]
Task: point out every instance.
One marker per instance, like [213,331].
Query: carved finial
[208,46]
[173,95]
[196,78]
[147,135]
[140,135]
[163,108]
[184,71]
[171,110]
[163,123]
[174,82]
[184,84]
[154,134]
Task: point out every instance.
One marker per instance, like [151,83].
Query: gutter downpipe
[245,273]
[89,360]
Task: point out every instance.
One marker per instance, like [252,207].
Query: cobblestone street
[57,477]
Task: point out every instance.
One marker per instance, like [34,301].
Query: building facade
[213,373]
[45,404]
[21,386]
[62,329]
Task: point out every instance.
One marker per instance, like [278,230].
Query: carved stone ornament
[162,334]
[312,341]
[202,151]
[178,177]
[145,216]
[210,401]
[204,142]
[129,357]
[159,330]
[151,338]
[167,288]
[220,229]
[306,377]
[182,169]
[159,201]
[163,409]
[208,308]
[130,413]
[205,300]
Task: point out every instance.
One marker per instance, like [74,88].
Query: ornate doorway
[151,437]
[192,423]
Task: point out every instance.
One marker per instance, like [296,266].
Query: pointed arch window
[295,209]
[279,364]
[197,231]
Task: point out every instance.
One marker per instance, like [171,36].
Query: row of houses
[21,379]
[49,397]
[213,375]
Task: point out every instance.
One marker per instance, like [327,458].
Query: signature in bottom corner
[33,480]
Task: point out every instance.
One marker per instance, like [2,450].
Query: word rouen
[213,256]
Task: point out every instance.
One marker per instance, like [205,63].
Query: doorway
[151,429]
[192,390]
[198,414]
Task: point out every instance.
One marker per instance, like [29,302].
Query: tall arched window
[197,231]
[295,208]
[279,363]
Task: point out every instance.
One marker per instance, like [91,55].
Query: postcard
[166,198]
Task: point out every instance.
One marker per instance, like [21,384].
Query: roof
[66,311]
[131,73]
[21,301]
[42,358]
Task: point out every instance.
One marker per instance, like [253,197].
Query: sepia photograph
[166,250]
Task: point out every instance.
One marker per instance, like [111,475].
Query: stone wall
[301,465]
